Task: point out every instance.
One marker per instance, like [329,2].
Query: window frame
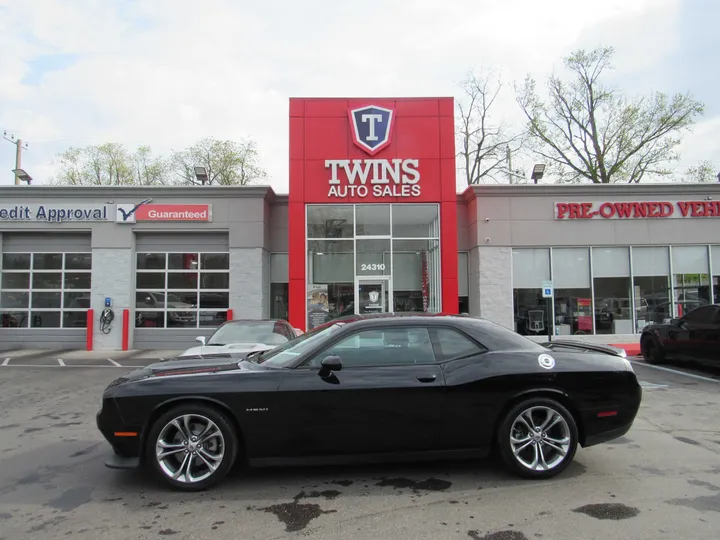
[62,289]
[305,363]
[197,311]
[434,337]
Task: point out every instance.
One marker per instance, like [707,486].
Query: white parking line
[60,361]
[676,372]
[113,362]
[6,362]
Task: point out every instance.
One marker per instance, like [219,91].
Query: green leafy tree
[702,172]
[108,164]
[227,163]
[587,131]
[111,164]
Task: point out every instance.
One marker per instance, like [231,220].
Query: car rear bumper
[614,419]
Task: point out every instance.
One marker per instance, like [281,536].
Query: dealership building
[373,222]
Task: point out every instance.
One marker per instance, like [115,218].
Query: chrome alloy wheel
[540,438]
[190,448]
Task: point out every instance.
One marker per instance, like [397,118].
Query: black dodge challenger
[371,388]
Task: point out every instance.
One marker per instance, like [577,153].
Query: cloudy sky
[168,72]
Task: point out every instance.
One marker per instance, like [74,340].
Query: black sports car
[693,337]
[371,388]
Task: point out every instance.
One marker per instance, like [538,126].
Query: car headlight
[628,364]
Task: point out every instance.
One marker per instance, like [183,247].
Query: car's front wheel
[538,438]
[191,447]
[651,350]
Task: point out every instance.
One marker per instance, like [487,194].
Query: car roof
[413,316]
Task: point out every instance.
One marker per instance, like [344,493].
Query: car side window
[701,315]
[454,344]
[382,347]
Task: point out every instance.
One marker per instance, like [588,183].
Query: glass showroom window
[530,310]
[45,290]
[611,286]
[385,247]
[181,290]
[716,273]
[651,284]
[279,286]
[573,298]
[691,280]
[416,259]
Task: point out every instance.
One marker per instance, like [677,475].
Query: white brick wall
[490,277]
[249,289]
[112,275]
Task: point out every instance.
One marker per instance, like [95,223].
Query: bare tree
[226,162]
[591,132]
[485,144]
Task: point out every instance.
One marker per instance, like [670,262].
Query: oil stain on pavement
[431,484]
[615,511]
[500,535]
[296,515]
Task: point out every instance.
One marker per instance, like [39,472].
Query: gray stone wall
[249,283]
[492,284]
[112,275]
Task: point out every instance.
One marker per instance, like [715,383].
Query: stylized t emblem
[372,118]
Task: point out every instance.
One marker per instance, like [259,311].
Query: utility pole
[509,164]
[18,153]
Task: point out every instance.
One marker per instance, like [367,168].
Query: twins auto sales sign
[372,151]
[572,211]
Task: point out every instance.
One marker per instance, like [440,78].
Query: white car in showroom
[243,336]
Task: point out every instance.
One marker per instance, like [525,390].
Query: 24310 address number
[373,266]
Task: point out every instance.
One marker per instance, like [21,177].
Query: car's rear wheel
[191,447]
[651,350]
[538,438]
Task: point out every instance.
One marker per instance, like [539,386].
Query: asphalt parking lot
[662,480]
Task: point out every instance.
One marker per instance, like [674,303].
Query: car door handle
[427,378]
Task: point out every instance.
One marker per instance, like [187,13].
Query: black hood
[188,366]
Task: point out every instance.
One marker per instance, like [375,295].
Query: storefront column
[490,277]
[250,283]
[113,276]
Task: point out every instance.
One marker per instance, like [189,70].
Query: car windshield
[285,355]
[266,332]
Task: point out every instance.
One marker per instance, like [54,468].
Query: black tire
[652,350]
[559,462]
[198,413]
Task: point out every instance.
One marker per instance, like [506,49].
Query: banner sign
[145,211]
[54,213]
[636,210]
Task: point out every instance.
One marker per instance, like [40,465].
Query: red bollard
[229,315]
[125,329]
[89,330]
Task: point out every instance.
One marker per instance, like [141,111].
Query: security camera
[487,219]
[487,240]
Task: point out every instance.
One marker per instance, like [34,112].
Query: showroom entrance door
[373,295]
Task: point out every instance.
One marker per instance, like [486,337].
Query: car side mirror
[201,340]
[331,363]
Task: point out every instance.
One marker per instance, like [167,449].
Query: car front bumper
[125,440]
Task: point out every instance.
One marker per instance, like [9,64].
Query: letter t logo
[371,118]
